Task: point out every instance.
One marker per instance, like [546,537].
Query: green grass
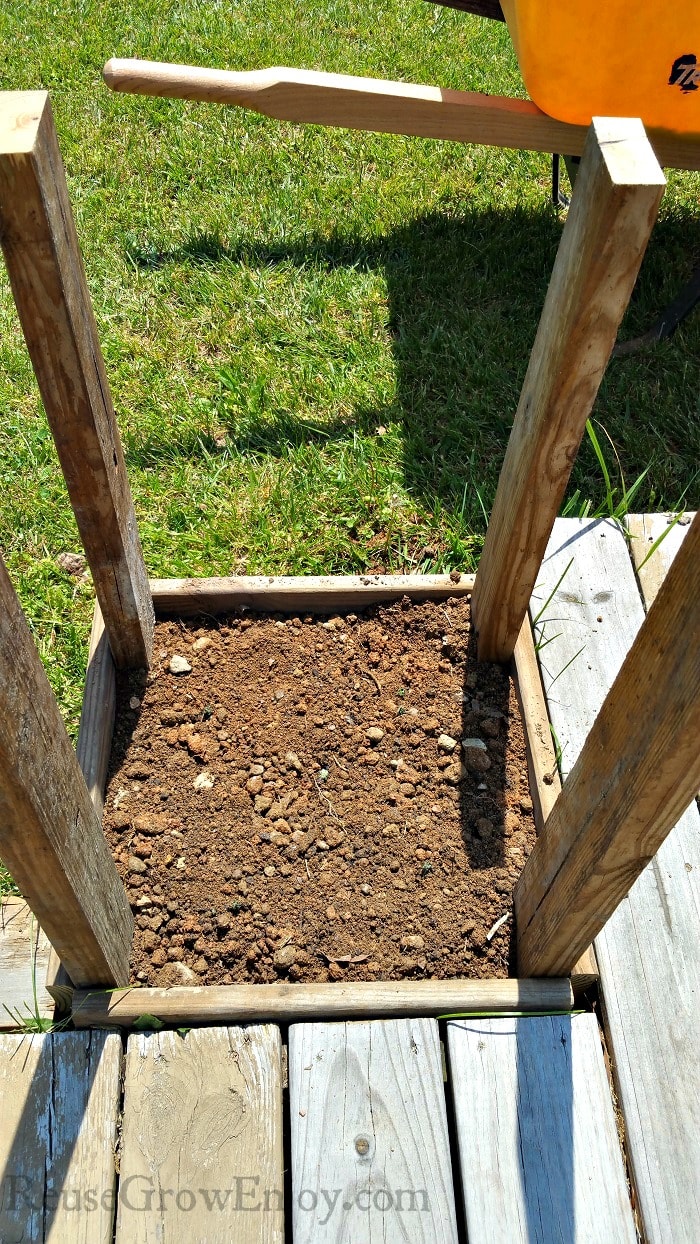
[315,338]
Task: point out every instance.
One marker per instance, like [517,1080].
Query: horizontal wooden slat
[370,1153]
[299,593]
[374,104]
[225,1004]
[538,1145]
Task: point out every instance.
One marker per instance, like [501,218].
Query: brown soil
[264,834]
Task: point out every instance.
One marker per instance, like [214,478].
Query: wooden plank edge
[287,1003]
[303,593]
[545,782]
[93,752]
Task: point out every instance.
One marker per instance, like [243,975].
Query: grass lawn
[315,338]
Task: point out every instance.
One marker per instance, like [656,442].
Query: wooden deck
[403,1129]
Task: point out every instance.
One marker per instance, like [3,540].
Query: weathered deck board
[370,1151]
[59,1104]
[24,955]
[538,1147]
[649,952]
[202,1138]
[645,530]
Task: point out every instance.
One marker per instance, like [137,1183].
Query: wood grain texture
[225,1004]
[374,104]
[635,775]
[201,1159]
[24,956]
[649,951]
[93,752]
[48,283]
[97,715]
[59,1106]
[51,839]
[289,593]
[538,1145]
[644,530]
[370,1152]
[614,206]
[545,783]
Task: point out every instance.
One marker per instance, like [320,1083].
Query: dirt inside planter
[319,798]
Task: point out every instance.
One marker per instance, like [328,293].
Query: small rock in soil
[179,665]
[446,743]
[203,781]
[175,974]
[285,957]
[375,734]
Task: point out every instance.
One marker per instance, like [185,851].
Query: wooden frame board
[237,1003]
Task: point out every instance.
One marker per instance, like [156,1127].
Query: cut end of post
[21,113]
[627,153]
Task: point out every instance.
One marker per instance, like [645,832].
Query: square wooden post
[638,771]
[40,245]
[617,196]
[50,835]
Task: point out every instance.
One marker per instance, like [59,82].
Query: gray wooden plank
[59,1108]
[370,1151]
[644,530]
[201,1158]
[649,951]
[24,956]
[538,1147]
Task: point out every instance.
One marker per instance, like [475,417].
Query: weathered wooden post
[50,835]
[638,771]
[41,250]
[618,191]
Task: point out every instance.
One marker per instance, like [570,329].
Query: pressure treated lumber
[201,1154]
[231,1004]
[59,1108]
[538,1146]
[374,104]
[24,953]
[614,206]
[649,950]
[296,593]
[636,774]
[48,283]
[93,751]
[51,838]
[97,716]
[370,1152]
[644,531]
[545,783]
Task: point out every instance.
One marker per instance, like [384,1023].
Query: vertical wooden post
[638,771]
[50,835]
[614,206]
[41,250]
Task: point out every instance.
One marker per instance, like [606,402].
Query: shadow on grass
[464,300]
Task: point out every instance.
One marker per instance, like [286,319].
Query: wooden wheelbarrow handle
[335,99]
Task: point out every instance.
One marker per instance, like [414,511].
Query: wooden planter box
[285,1001]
